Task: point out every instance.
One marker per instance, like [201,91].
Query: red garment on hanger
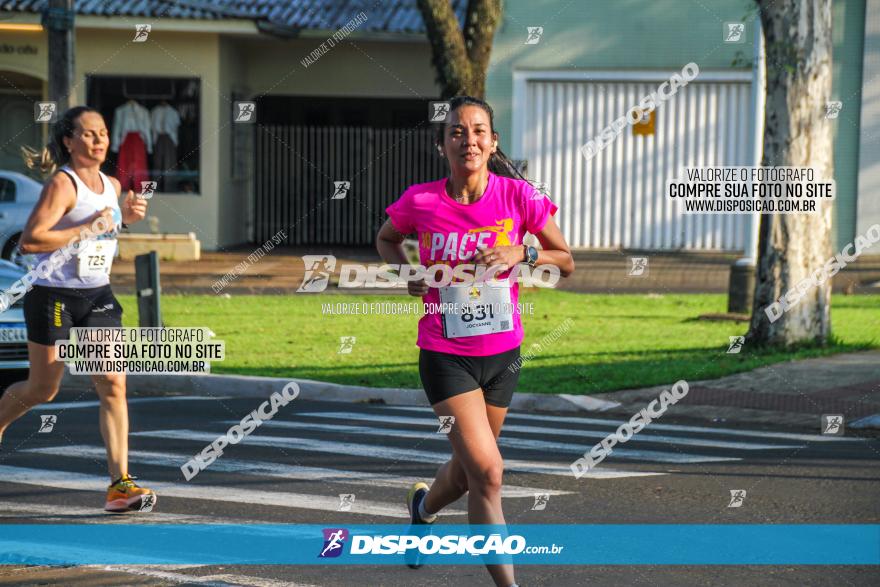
[131,166]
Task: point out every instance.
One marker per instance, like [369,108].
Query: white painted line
[610,423]
[584,435]
[590,402]
[223,580]
[134,400]
[389,453]
[96,515]
[671,456]
[270,469]
[285,499]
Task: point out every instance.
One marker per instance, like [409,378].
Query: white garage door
[615,200]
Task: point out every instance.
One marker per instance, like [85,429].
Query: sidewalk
[792,394]
[788,395]
[281,272]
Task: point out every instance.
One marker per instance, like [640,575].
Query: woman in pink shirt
[468,360]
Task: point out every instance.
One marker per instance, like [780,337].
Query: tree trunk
[792,247]
[461,58]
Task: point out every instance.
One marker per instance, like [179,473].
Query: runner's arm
[133,208]
[554,249]
[57,199]
[388,243]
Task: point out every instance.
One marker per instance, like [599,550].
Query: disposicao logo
[334,542]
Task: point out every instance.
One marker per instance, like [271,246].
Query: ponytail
[501,164]
[41,161]
[55,154]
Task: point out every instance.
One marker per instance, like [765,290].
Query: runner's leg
[474,445]
[43,382]
[450,483]
[113,417]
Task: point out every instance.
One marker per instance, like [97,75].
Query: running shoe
[414,498]
[124,495]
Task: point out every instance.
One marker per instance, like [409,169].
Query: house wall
[363,68]
[110,51]
[236,187]
[664,35]
[868,120]
[237,61]
[265,67]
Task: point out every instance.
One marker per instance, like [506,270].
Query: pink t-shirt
[449,232]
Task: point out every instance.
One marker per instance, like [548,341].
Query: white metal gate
[616,199]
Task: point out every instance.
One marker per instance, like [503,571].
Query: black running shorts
[50,312]
[445,375]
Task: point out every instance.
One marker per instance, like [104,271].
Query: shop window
[154,128]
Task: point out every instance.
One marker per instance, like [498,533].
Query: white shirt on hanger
[165,120]
[131,117]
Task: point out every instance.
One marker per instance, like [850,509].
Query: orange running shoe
[124,495]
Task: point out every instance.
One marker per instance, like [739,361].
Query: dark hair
[499,163]
[55,153]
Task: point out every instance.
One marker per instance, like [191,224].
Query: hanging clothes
[132,139]
[131,165]
[164,163]
[131,117]
[165,121]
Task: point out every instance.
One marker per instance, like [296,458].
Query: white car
[13,334]
[18,196]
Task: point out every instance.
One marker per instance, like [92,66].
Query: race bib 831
[472,310]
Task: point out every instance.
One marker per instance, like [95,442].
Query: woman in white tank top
[72,230]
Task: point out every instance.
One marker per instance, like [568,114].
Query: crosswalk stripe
[378,451]
[270,469]
[159,571]
[221,580]
[94,515]
[508,442]
[611,423]
[134,400]
[645,435]
[286,499]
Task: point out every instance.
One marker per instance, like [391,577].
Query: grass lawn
[614,342]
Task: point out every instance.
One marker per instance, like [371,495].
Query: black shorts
[50,312]
[445,375]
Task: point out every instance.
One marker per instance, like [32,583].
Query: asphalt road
[293,469]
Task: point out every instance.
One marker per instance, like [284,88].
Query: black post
[146,278]
[741,288]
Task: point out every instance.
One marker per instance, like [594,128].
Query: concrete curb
[262,387]
[631,401]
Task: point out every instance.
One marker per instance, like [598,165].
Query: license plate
[13,335]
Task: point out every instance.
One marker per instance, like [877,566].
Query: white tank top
[87,203]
